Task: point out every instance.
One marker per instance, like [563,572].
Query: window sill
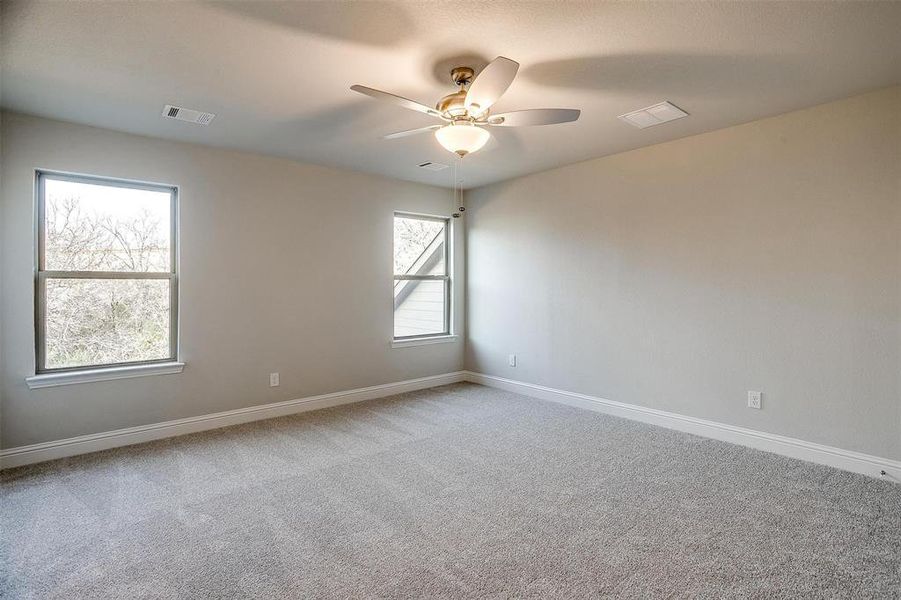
[423,341]
[102,374]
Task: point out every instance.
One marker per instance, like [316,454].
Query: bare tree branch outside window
[106,272]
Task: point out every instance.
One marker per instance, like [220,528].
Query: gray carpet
[459,491]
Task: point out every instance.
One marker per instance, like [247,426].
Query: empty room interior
[393,299]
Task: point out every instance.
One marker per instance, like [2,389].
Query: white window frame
[97,372]
[447,333]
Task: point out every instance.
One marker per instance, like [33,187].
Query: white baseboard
[24,455]
[817,453]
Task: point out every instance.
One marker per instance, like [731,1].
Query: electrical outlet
[511,360]
[273,379]
[754,400]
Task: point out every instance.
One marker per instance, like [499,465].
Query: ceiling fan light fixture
[462,137]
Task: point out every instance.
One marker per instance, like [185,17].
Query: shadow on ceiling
[504,139]
[669,73]
[374,23]
[359,119]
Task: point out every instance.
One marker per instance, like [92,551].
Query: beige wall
[765,256]
[284,267]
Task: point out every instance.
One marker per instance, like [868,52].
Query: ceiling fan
[467,111]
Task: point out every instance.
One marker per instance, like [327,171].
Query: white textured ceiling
[277,73]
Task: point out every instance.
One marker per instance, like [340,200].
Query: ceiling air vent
[431,166]
[653,115]
[186,114]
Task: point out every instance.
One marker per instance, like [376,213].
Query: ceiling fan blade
[534,116]
[394,99]
[400,134]
[490,84]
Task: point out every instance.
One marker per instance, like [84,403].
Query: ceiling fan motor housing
[453,105]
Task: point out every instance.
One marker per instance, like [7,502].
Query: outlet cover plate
[754,400]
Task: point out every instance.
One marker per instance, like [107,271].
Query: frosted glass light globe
[462,137]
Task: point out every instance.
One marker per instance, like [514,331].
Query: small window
[106,288]
[421,276]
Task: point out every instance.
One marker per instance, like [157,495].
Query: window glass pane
[419,307]
[104,321]
[93,227]
[418,246]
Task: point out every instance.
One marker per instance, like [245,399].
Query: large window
[421,276]
[106,283]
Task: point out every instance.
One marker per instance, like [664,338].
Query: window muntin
[422,280]
[106,286]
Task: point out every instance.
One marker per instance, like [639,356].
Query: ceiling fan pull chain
[458,185]
[461,205]
[456,215]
